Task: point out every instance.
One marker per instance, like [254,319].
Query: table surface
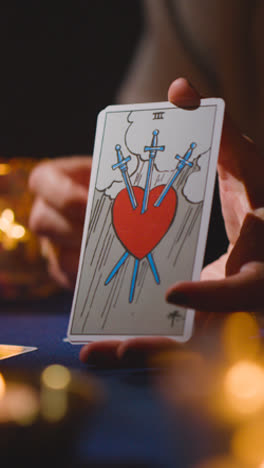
[133,427]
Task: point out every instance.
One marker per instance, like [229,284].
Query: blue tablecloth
[133,427]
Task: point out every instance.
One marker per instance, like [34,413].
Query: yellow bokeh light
[13,233]
[241,337]
[2,386]
[4,169]
[54,397]
[4,225]
[244,387]
[17,231]
[54,404]
[247,443]
[23,404]
[8,215]
[56,377]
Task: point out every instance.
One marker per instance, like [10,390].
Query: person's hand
[234,282]
[60,187]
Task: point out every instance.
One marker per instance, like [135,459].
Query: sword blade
[147,187]
[167,187]
[129,188]
[116,267]
[180,166]
[133,281]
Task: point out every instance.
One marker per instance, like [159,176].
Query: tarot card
[147,218]
[7,351]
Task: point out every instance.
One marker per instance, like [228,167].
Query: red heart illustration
[140,233]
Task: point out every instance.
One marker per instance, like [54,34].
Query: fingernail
[177,297]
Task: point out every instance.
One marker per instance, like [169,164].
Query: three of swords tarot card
[147,218]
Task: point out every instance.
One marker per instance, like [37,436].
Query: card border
[203,230]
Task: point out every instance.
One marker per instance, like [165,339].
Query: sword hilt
[154,148]
[184,161]
[122,162]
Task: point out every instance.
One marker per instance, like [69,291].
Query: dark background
[61,63]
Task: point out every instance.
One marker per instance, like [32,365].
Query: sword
[135,273]
[183,162]
[122,165]
[153,149]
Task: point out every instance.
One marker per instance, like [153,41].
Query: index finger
[55,184]
[240,292]
[78,167]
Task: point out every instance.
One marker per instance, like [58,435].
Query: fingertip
[84,353]
[100,354]
[177,295]
[34,177]
[182,94]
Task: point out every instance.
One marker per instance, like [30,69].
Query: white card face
[147,218]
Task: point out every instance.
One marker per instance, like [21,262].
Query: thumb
[182,94]
[239,158]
